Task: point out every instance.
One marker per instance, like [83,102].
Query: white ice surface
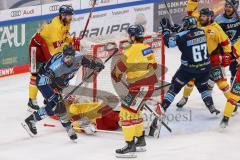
[198,139]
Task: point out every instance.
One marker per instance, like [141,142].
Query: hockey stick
[88,20]
[152,111]
[90,75]
[235,10]
[156,115]
[169,14]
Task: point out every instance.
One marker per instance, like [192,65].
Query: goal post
[100,87]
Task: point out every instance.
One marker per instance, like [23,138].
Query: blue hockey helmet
[189,22]
[136,31]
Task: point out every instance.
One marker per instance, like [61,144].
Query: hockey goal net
[101,88]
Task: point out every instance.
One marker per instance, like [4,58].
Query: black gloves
[165,24]
[176,28]
[167,27]
[97,66]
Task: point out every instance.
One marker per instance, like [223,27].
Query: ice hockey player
[46,43]
[219,47]
[52,78]
[195,61]
[138,64]
[231,103]
[231,26]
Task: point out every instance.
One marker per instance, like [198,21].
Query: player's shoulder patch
[147,51]
[180,34]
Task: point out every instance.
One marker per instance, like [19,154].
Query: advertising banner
[178,10]
[14,40]
[114,21]
[22,12]
[88,4]
[54,7]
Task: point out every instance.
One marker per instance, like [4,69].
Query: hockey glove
[97,66]
[76,43]
[166,26]
[176,28]
[226,60]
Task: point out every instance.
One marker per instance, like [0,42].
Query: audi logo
[16,13]
[54,8]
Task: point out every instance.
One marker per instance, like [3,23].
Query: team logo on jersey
[231,34]
[210,32]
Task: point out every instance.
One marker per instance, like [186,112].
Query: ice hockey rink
[198,138]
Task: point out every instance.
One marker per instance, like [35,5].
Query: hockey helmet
[136,31]
[207,12]
[66,9]
[233,3]
[68,50]
[189,22]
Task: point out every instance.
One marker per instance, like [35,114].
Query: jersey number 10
[200,53]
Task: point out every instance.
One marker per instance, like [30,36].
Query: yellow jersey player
[219,48]
[44,44]
[234,93]
[230,23]
[139,64]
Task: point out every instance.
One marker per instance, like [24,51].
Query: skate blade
[25,126]
[141,149]
[222,128]
[127,155]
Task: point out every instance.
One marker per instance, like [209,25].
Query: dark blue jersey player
[195,61]
[52,78]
